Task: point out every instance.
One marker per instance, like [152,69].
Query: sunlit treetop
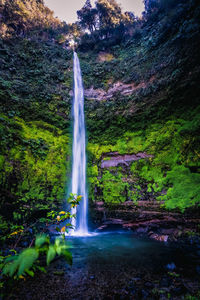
[20,16]
[106,14]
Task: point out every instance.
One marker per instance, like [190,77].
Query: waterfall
[79,153]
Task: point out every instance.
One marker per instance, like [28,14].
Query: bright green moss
[171,147]
[96,150]
[134,192]
[38,161]
[164,170]
[184,191]
[92,174]
[114,188]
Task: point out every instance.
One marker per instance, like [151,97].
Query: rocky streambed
[147,217]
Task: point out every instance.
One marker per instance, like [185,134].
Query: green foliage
[184,190]
[106,22]
[40,174]
[19,264]
[51,254]
[171,174]
[62,216]
[30,259]
[173,274]
[44,80]
[134,192]
[110,13]
[59,248]
[190,297]
[34,83]
[27,261]
[92,174]
[41,240]
[88,17]
[20,17]
[3,228]
[114,188]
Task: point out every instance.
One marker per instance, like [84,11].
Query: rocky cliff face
[117,88]
[146,217]
[142,98]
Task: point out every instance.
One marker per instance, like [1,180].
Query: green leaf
[59,249]
[57,242]
[68,256]
[51,254]
[42,269]
[26,260]
[30,273]
[22,262]
[13,250]
[69,225]
[10,268]
[11,258]
[41,240]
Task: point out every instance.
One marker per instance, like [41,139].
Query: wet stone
[145,294]
[198,269]
[149,284]
[136,279]
[171,266]
[165,282]
[179,290]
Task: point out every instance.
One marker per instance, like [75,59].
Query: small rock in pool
[160,238]
[171,266]
[136,278]
[132,290]
[165,282]
[179,290]
[145,294]
[149,284]
[198,269]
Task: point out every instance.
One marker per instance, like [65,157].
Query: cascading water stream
[79,154]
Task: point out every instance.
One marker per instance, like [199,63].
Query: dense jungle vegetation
[156,55]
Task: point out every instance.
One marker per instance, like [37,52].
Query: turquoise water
[118,265]
[112,249]
[121,265]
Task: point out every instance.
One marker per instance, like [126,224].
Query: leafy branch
[29,260]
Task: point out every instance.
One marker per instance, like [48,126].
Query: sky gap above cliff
[66,10]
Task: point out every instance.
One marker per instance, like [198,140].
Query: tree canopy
[106,14]
[21,16]
[88,17]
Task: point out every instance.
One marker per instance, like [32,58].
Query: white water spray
[79,154]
